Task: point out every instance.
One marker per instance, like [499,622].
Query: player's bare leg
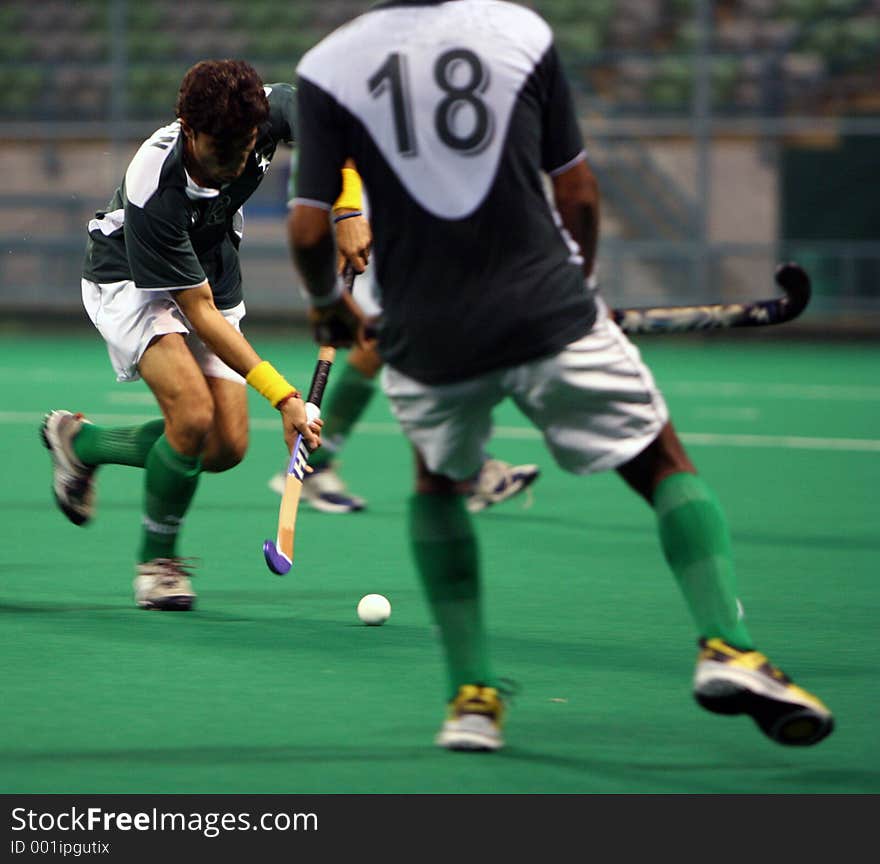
[172,470]
[227,440]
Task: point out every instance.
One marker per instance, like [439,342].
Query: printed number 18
[392,75]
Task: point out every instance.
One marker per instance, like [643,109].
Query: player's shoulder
[522,26]
[156,164]
[280,91]
[282,111]
[512,12]
[332,48]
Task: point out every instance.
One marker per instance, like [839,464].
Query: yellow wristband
[352,191]
[268,382]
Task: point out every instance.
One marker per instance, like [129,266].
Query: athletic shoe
[163,584]
[72,481]
[498,481]
[473,720]
[730,681]
[324,490]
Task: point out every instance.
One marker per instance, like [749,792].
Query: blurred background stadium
[726,135]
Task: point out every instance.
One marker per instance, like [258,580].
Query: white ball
[374,609]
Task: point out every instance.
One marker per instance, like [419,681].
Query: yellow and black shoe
[473,720]
[730,681]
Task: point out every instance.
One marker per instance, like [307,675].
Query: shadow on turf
[232,754]
[780,770]
[50,607]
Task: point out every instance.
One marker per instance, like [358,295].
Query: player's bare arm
[354,237]
[335,316]
[197,304]
[353,240]
[576,193]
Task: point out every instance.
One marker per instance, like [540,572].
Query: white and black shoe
[498,481]
[72,482]
[324,490]
[164,584]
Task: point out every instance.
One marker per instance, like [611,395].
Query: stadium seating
[62,61]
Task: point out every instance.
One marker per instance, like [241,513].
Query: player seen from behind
[453,112]
[354,384]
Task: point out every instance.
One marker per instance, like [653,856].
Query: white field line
[701,389]
[739,389]
[698,439]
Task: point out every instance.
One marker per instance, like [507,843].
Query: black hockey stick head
[794,281]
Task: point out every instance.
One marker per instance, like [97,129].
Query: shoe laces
[471,697]
[722,652]
[169,571]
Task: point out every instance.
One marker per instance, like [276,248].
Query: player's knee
[225,454]
[664,456]
[190,426]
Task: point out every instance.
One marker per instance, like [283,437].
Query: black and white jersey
[451,111]
[165,232]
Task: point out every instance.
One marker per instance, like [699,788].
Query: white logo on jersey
[145,169]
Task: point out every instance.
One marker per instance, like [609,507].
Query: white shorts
[129,319]
[595,402]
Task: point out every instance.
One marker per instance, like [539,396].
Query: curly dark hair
[224,98]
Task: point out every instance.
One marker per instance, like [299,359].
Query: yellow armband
[268,382]
[352,191]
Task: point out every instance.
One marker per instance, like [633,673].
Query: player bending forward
[452,111]
[162,284]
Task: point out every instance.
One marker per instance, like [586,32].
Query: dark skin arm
[576,193]
[309,235]
[353,235]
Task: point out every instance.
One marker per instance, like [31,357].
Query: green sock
[169,485]
[693,533]
[343,407]
[121,445]
[445,551]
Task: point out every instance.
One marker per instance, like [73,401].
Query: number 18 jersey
[452,111]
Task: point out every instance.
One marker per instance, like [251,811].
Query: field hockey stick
[279,552]
[790,277]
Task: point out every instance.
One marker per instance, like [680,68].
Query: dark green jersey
[453,114]
[165,232]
